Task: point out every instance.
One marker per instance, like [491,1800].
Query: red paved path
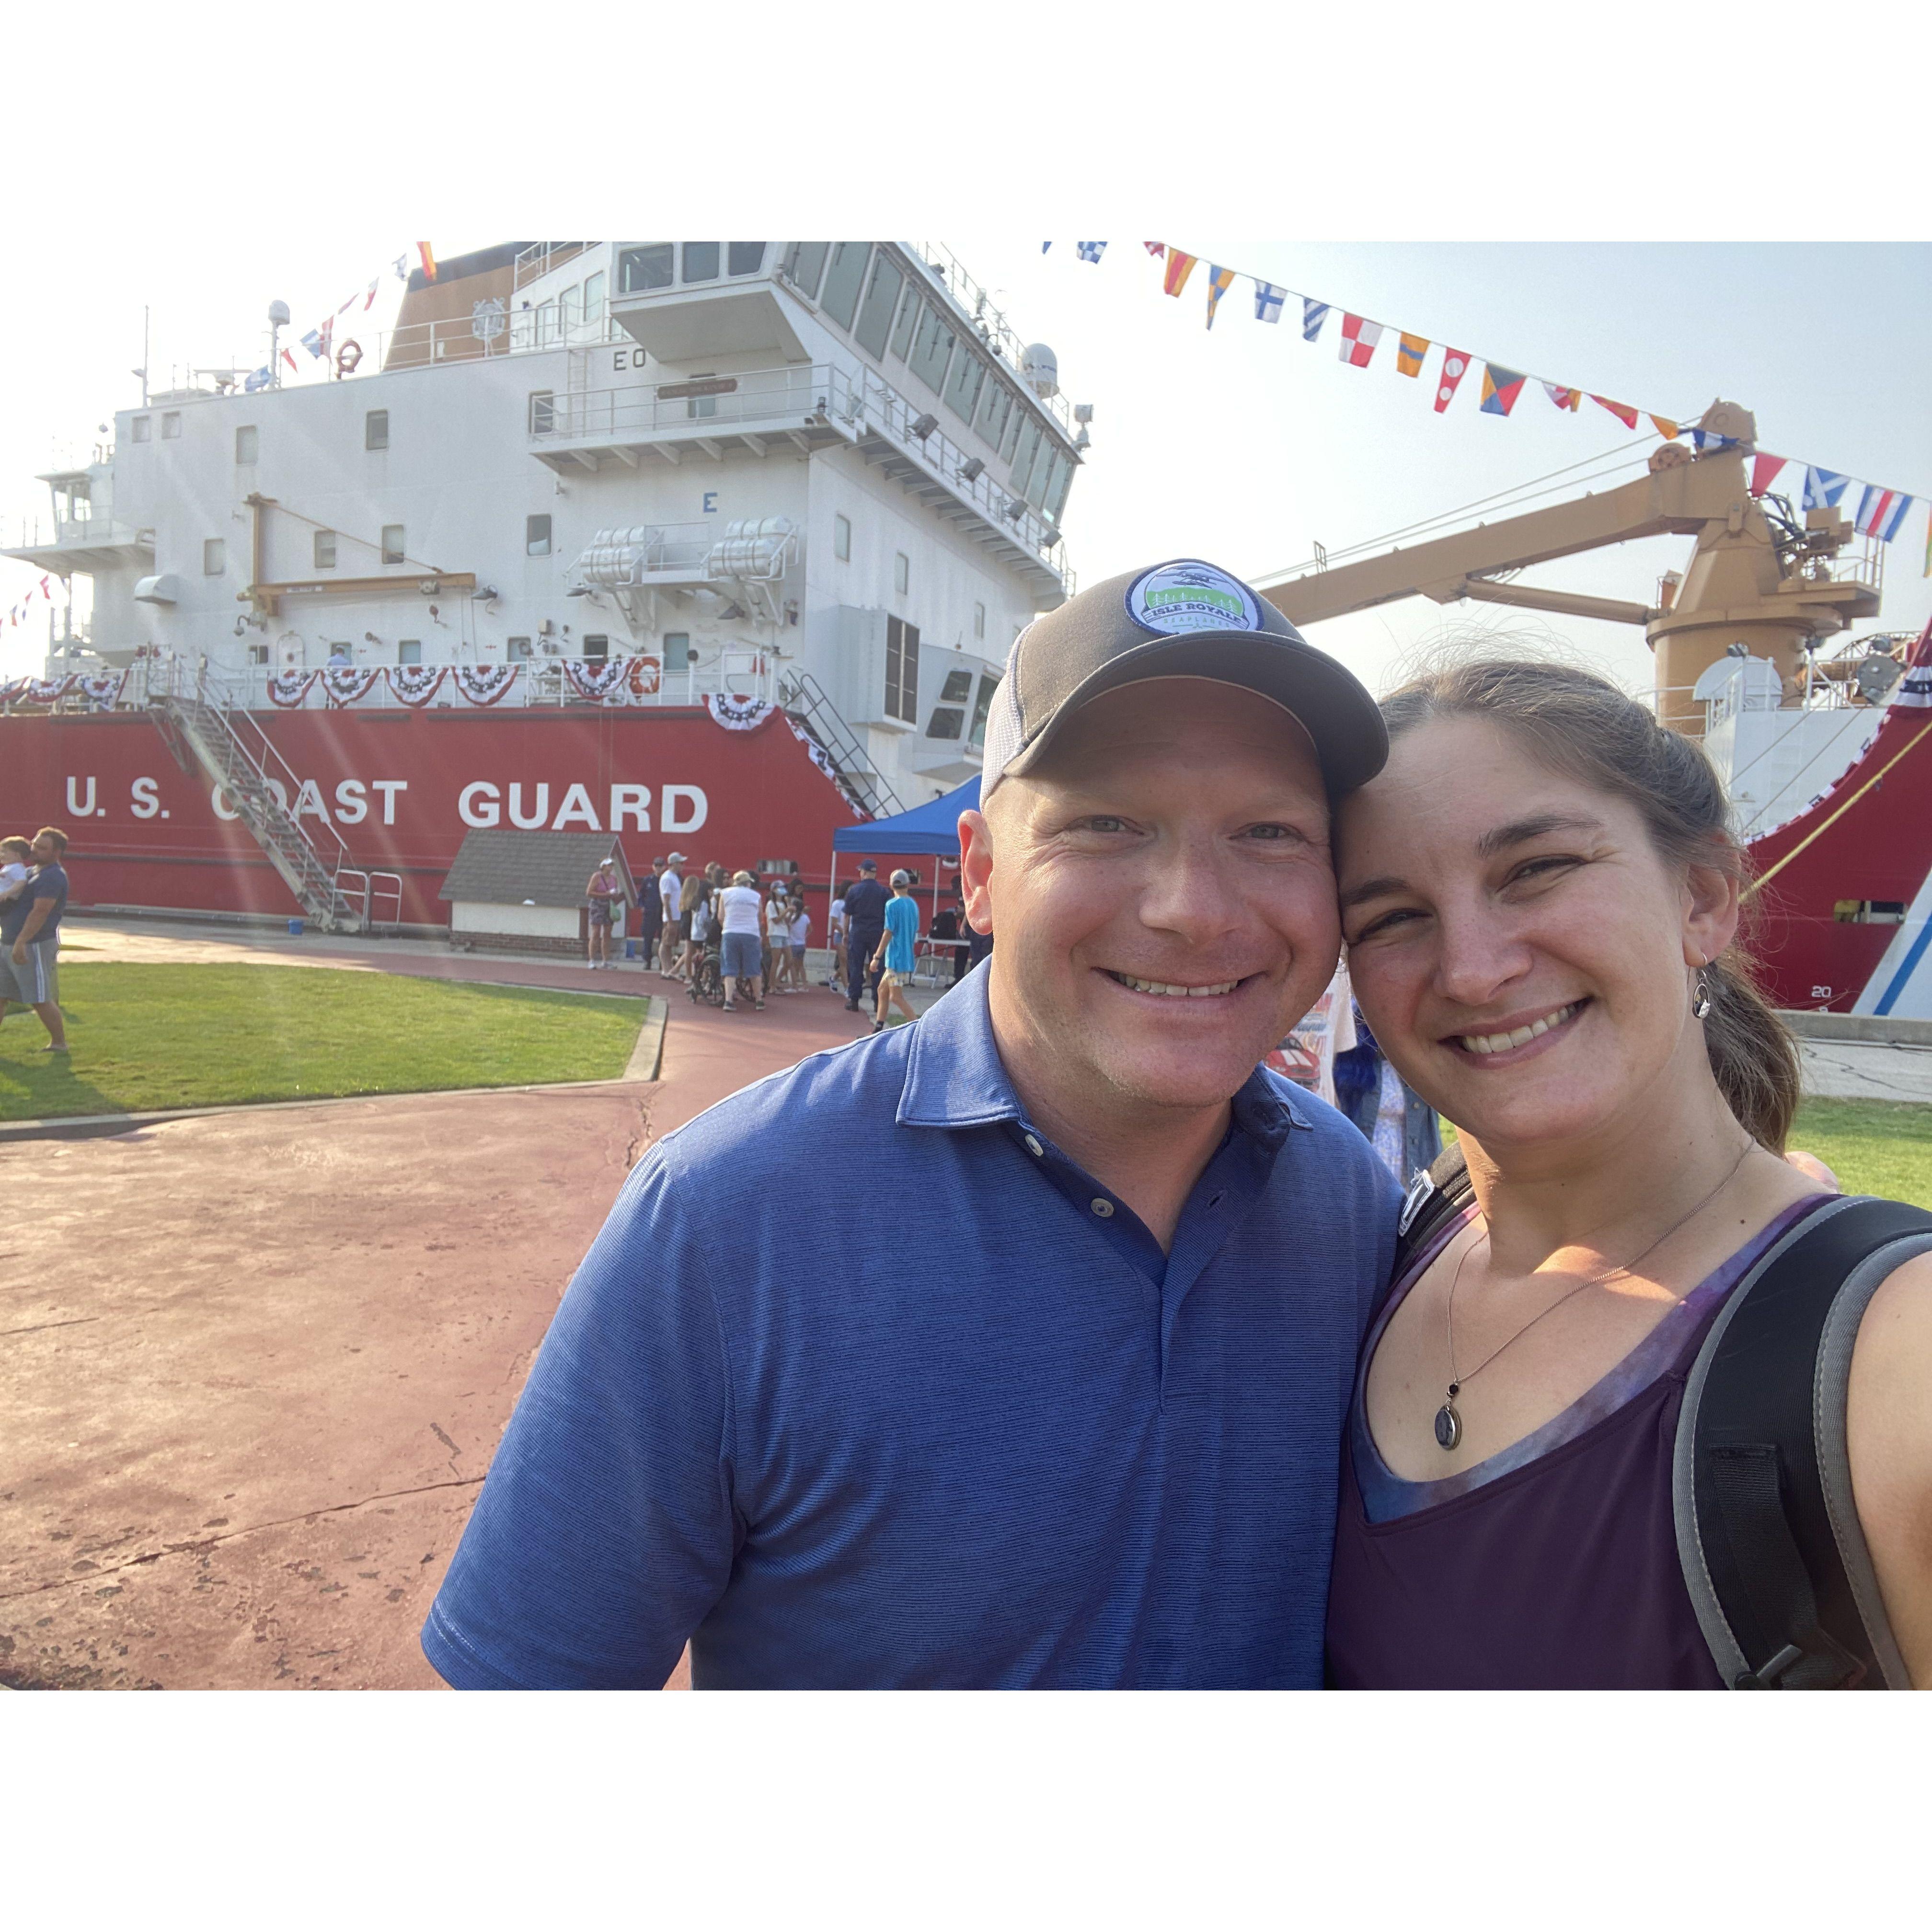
[255,1364]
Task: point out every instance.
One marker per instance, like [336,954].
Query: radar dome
[1040,369]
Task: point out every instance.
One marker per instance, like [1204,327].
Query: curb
[1875,1029]
[647,1055]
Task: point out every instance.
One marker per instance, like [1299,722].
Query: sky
[1245,445]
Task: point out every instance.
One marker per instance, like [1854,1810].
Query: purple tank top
[1552,1565]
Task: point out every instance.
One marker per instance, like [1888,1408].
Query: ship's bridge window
[882,298]
[700,262]
[536,536]
[409,650]
[141,429]
[171,425]
[641,270]
[962,392]
[804,263]
[324,550]
[982,705]
[214,557]
[908,322]
[248,442]
[995,404]
[1016,424]
[947,721]
[845,275]
[931,349]
[1022,472]
[744,258]
[957,688]
[841,538]
[376,430]
[1047,475]
[392,543]
[1056,497]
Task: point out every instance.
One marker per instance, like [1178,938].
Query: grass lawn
[148,1036]
[1874,1147]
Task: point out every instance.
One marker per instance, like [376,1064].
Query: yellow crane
[1756,577]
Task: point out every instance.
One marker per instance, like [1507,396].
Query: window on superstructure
[744,258]
[171,426]
[258,654]
[1047,473]
[1056,496]
[141,429]
[841,538]
[901,572]
[845,276]
[593,299]
[678,654]
[214,557]
[882,298]
[701,261]
[1016,424]
[996,403]
[978,620]
[962,392]
[392,543]
[957,688]
[247,443]
[409,650]
[931,349]
[982,705]
[947,721]
[546,323]
[696,406]
[543,412]
[536,536]
[518,648]
[568,311]
[597,648]
[324,550]
[902,670]
[804,263]
[1022,470]
[641,270]
[376,430]
[908,322]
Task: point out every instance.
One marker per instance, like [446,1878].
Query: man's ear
[975,869]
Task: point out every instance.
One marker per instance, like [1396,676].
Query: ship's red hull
[403,787]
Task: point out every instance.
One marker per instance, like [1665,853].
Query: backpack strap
[1767,1530]
[1438,1193]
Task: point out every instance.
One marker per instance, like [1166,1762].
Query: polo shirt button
[1102,1206]
[1033,1145]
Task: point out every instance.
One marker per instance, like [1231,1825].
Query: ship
[717,547]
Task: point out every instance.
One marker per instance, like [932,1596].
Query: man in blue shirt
[30,938]
[1097,1446]
[864,920]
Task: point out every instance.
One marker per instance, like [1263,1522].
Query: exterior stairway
[805,701]
[236,754]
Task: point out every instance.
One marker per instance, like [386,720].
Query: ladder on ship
[205,726]
[804,700]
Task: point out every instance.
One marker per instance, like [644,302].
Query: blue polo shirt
[937,1411]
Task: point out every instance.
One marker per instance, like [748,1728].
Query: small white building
[524,892]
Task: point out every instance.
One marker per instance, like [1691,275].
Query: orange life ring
[348,358]
[643,676]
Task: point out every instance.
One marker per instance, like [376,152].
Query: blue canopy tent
[932,830]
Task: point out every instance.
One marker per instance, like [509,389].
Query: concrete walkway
[257,1362]
[1844,1069]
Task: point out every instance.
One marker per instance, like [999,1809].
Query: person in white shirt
[835,937]
[738,911]
[778,941]
[671,884]
[16,868]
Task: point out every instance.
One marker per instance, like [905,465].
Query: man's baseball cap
[868,865]
[1185,619]
[676,858]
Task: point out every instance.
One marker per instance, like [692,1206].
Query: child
[17,864]
[895,951]
[801,931]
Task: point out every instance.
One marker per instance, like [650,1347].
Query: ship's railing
[790,396]
[741,669]
[987,321]
[536,261]
[98,532]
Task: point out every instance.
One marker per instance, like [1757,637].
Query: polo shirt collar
[955,1077]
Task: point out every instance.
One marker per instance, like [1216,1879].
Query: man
[650,908]
[896,954]
[865,926]
[738,942]
[30,938]
[1099,1446]
[670,885]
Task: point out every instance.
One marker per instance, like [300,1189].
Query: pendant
[1448,1423]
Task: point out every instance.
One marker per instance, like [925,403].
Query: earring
[1700,998]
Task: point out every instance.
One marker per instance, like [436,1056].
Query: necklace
[1448,1419]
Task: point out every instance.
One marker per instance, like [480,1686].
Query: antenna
[142,371]
[278,320]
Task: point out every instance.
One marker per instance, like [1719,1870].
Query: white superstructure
[823,474]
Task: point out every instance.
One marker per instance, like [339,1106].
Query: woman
[605,893]
[1540,901]
[692,898]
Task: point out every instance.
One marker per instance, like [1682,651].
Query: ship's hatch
[677,327]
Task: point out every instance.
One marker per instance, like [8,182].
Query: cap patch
[1192,596]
